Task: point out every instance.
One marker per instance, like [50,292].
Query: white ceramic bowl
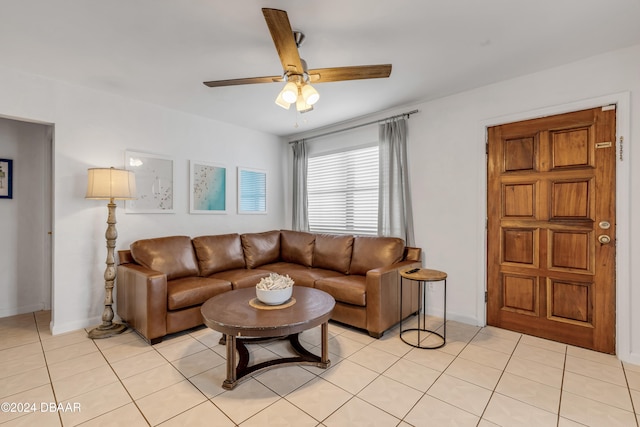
[275,296]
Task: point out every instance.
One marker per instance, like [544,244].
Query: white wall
[94,129]
[25,278]
[448,166]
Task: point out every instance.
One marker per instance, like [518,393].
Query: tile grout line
[187,379]
[207,399]
[46,364]
[123,386]
[438,377]
[585,375]
[319,376]
[626,379]
[354,395]
[493,391]
[564,370]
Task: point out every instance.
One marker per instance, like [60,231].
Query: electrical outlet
[432,286]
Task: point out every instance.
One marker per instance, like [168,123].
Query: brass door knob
[604,225]
[604,239]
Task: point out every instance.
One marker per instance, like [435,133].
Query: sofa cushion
[297,247]
[374,252]
[301,275]
[218,253]
[333,252]
[242,278]
[261,248]
[347,289]
[173,256]
[191,291]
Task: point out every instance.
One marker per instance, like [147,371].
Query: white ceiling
[160,51]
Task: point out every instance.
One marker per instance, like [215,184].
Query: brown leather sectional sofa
[162,282]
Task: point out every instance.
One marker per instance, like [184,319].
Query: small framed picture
[155,178]
[252,191]
[6,179]
[208,188]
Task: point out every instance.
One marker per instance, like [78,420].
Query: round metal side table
[423,276]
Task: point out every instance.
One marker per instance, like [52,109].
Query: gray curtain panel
[395,212]
[300,218]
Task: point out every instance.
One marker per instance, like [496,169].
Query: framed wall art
[252,191]
[155,178]
[6,179]
[207,188]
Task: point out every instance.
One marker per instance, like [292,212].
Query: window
[252,191]
[342,191]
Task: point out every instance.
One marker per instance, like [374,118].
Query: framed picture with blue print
[208,183]
[6,179]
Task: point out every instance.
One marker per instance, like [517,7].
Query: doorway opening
[27,218]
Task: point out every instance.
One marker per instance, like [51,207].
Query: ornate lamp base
[106,331]
[108,328]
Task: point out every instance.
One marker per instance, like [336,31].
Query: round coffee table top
[231,313]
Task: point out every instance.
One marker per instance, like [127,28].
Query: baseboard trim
[14,311]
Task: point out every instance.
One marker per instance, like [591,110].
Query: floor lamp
[110,184]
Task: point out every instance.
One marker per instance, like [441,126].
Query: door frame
[622,101]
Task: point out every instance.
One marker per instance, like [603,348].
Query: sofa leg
[376,335]
[154,341]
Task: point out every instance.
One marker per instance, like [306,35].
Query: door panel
[551,183]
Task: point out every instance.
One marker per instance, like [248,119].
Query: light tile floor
[483,377]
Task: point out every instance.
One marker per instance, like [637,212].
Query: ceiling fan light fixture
[282,103]
[289,92]
[310,94]
[302,106]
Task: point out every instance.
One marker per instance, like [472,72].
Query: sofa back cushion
[261,248]
[374,252]
[333,252]
[219,253]
[297,247]
[173,256]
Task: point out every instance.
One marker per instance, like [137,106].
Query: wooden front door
[551,228]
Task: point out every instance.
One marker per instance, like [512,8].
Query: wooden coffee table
[231,314]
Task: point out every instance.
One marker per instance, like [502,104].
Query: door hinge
[486,296]
[621,144]
[486,148]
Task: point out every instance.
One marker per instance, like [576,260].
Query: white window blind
[342,192]
[252,191]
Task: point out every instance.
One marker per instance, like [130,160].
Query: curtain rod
[408,114]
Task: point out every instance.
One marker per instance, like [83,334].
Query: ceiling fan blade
[336,74]
[282,35]
[246,81]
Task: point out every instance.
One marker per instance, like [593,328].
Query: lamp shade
[310,94]
[281,102]
[290,92]
[111,183]
[302,106]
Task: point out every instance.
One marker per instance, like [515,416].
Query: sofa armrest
[412,254]
[383,297]
[141,296]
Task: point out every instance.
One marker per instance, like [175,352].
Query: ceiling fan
[298,88]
